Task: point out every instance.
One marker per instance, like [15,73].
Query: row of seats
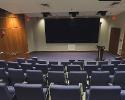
[35,60]
[97,78]
[55,67]
[60,92]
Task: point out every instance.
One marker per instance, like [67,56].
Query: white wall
[37,41]
[119,23]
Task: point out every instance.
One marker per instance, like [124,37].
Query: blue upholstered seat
[62,92]
[104,93]
[21,60]
[76,77]
[16,75]
[4,92]
[34,76]
[100,78]
[56,68]
[12,64]
[56,77]
[119,79]
[74,68]
[30,92]
[42,67]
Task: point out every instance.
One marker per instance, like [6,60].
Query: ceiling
[61,7]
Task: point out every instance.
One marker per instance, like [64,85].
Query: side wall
[13,43]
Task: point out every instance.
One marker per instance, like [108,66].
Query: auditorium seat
[16,75]
[3,76]
[100,63]
[12,64]
[21,60]
[5,94]
[78,63]
[42,62]
[42,67]
[35,59]
[74,68]
[62,92]
[109,68]
[100,78]
[115,62]
[56,68]
[121,67]
[26,66]
[65,63]
[119,79]
[33,62]
[30,92]
[3,64]
[76,77]
[56,77]
[71,60]
[91,62]
[118,58]
[34,76]
[90,68]
[104,93]
[123,61]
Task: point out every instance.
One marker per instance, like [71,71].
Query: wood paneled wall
[14,42]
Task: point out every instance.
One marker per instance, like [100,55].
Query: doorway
[114,40]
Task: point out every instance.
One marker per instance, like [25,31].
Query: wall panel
[14,43]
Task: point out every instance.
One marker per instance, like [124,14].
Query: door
[114,40]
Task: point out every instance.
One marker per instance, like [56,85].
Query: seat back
[12,64]
[16,75]
[57,68]
[74,68]
[121,67]
[100,63]
[3,76]
[104,93]
[26,66]
[76,77]
[42,62]
[21,60]
[91,62]
[34,76]
[42,67]
[29,92]
[65,63]
[35,59]
[90,68]
[62,92]
[109,68]
[3,64]
[33,62]
[115,62]
[56,77]
[100,78]
[119,79]
[4,93]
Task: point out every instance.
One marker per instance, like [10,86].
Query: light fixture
[102,13]
[73,14]
[46,14]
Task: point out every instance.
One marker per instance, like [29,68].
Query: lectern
[100,52]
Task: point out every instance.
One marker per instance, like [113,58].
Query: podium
[100,52]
